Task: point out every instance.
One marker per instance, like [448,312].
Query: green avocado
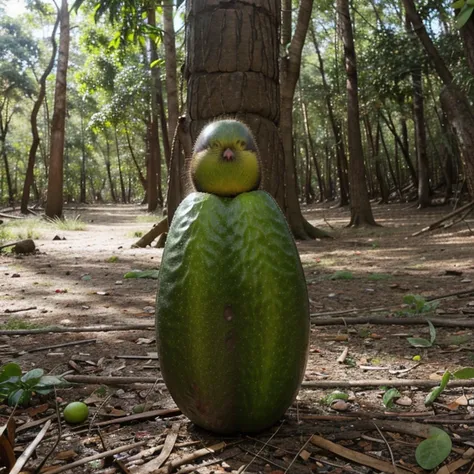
[232,315]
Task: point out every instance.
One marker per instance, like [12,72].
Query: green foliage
[418,304]
[153,274]
[112,259]
[6,234]
[379,276]
[437,391]
[434,450]
[389,396]
[464,373]
[332,397]
[15,323]
[17,388]
[342,275]
[421,342]
[466,8]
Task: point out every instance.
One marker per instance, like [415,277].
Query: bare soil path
[79,281]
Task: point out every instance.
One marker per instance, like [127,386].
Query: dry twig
[168,446]
[354,456]
[22,460]
[95,457]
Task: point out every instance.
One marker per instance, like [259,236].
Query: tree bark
[29,177]
[290,66]
[401,142]
[152,191]
[309,138]
[454,100]
[342,165]
[11,194]
[108,168]
[424,199]
[170,66]
[82,197]
[119,162]
[361,212]
[374,144]
[54,204]
[229,73]
[134,159]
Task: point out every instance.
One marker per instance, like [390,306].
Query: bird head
[225,160]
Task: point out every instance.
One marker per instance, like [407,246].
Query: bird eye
[215,144]
[241,143]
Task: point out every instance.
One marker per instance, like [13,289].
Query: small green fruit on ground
[76,412]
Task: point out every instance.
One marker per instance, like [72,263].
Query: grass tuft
[15,323]
[342,275]
[74,223]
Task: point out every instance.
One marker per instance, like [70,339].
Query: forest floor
[362,273]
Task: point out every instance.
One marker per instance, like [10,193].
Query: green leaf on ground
[389,396]
[153,274]
[434,450]
[465,373]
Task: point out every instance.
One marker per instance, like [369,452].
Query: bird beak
[228,155]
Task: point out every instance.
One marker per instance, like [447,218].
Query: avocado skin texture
[232,312]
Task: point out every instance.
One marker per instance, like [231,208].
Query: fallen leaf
[66,455]
[462,400]
[33,411]
[305,455]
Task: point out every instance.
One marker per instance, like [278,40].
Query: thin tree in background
[169,41]
[335,127]
[424,199]
[361,212]
[454,101]
[290,71]
[54,204]
[29,178]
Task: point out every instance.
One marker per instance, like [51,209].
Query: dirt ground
[79,281]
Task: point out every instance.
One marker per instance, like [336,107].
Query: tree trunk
[395,176]
[152,190]
[134,159]
[402,142]
[290,66]
[461,117]
[11,194]
[236,76]
[119,162]
[375,151]
[309,138]
[109,170]
[54,204]
[454,100]
[424,199]
[29,177]
[82,197]
[164,133]
[170,65]
[342,165]
[361,212]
